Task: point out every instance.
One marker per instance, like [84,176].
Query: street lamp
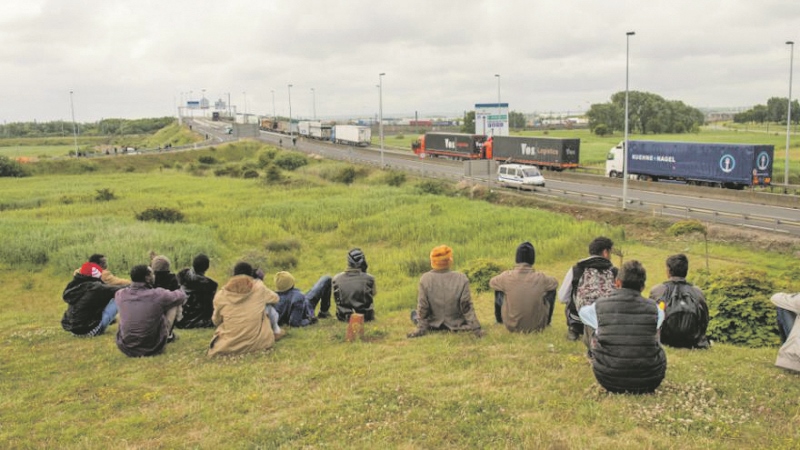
[290,110]
[380,110]
[244,93]
[314,102]
[788,114]
[497,75]
[274,117]
[74,126]
[625,145]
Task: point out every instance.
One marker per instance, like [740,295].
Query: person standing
[146,314]
[524,298]
[354,289]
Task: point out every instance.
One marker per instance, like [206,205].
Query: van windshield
[531,172]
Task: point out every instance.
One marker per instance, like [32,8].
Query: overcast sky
[135,59]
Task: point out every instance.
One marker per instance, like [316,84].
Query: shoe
[280,335]
[572,336]
[172,338]
[414,316]
[324,315]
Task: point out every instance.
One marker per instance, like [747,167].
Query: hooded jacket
[242,324]
[199,304]
[86,298]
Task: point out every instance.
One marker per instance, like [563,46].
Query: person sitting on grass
[354,289]
[788,306]
[91,307]
[685,308]
[106,276]
[240,314]
[444,301]
[627,356]
[146,314]
[200,292]
[524,298]
[295,308]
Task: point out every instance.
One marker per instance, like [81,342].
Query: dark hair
[678,265]
[599,244]
[632,275]
[140,272]
[243,268]
[200,263]
[97,258]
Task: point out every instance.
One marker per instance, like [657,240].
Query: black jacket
[87,297]
[199,304]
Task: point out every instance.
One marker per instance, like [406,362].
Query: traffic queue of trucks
[325,131]
[550,153]
[704,164]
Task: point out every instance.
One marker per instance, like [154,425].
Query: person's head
[200,263]
[100,260]
[356,259]
[678,265]
[601,246]
[441,257]
[142,273]
[632,276]
[90,269]
[243,268]
[526,253]
[160,263]
[283,281]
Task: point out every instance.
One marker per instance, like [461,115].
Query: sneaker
[172,338]
[414,316]
[280,335]
[324,315]
[572,336]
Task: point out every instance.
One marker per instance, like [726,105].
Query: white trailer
[320,130]
[351,135]
[304,128]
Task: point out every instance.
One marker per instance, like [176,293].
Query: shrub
[395,178]
[345,175]
[104,195]
[250,173]
[283,245]
[399,136]
[273,174]
[11,168]
[434,187]
[207,160]
[739,308]
[601,130]
[266,157]
[229,170]
[290,161]
[687,227]
[168,215]
[480,271]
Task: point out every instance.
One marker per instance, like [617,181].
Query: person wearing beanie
[165,279]
[240,315]
[524,298]
[90,302]
[146,314]
[200,292]
[354,289]
[295,308]
[444,301]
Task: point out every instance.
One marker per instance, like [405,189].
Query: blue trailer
[704,164]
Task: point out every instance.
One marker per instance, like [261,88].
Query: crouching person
[444,301]
[240,314]
[627,354]
[146,314]
[91,307]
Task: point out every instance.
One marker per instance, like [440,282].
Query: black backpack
[685,317]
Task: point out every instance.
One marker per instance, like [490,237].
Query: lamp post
[74,126]
[625,145]
[380,110]
[244,93]
[788,114]
[314,102]
[290,110]
[274,117]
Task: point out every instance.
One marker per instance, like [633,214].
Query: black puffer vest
[628,357]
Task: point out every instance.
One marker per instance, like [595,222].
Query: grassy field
[313,389]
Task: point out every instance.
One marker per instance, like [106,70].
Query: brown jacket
[242,324]
[524,309]
[444,300]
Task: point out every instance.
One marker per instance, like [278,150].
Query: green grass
[313,389]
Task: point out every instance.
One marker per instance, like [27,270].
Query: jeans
[272,313]
[786,320]
[109,313]
[320,293]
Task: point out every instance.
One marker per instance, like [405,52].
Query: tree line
[648,113]
[774,111]
[103,127]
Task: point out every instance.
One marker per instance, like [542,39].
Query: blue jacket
[293,308]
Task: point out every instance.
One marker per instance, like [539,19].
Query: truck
[732,166]
[451,145]
[351,135]
[549,153]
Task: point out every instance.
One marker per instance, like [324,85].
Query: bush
[229,170]
[687,227]
[290,161]
[266,157]
[601,130]
[282,245]
[739,308]
[273,174]
[434,187]
[11,168]
[395,178]
[250,173]
[168,215]
[104,195]
[480,271]
[207,160]
[345,175]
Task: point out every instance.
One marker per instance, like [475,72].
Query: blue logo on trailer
[763,161]
[727,163]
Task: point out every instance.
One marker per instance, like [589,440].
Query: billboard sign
[491,119]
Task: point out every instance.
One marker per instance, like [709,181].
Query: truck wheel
[613,174]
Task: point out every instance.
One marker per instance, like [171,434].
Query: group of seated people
[623,331]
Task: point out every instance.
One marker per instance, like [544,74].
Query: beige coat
[444,301]
[242,324]
[524,309]
[789,353]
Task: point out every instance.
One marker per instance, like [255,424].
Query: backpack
[683,319]
[592,285]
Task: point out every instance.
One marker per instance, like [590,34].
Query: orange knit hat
[441,257]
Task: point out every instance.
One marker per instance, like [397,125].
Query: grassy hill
[314,389]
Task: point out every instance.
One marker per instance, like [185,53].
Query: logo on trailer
[448,143]
[527,149]
[762,161]
[727,163]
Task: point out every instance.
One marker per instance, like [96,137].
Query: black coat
[199,304]
[87,297]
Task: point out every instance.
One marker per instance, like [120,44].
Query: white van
[519,176]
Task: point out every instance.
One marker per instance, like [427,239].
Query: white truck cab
[614,164]
[519,176]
